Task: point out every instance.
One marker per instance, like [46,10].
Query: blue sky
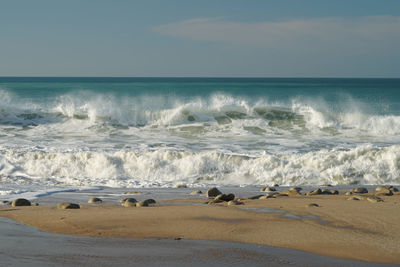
[220,38]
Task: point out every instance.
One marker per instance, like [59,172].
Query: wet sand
[340,228]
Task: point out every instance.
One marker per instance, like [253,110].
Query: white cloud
[369,32]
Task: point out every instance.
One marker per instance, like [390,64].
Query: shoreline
[339,228]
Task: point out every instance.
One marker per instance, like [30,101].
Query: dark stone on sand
[374,199]
[67,205]
[21,202]
[226,198]
[235,202]
[213,192]
[143,203]
[95,200]
[312,205]
[196,192]
[359,190]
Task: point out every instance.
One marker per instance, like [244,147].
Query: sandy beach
[338,227]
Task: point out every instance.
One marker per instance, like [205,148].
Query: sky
[204,38]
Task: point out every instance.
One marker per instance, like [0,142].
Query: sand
[357,230]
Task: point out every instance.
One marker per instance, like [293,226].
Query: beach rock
[21,202]
[67,205]
[359,190]
[226,198]
[6,202]
[213,192]
[268,189]
[181,186]
[95,200]
[312,205]
[235,202]
[143,203]
[196,192]
[374,199]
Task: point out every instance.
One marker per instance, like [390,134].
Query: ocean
[74,133]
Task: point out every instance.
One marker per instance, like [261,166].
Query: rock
[67,205]
[95,200]
[196,192]
[129,202]
[143,203]
[234,203]
[21,202]
[317,191]
[6,202]
[181,186]
[374,199]
[311,205]
[226,198]
[150,201]
[359,190]
[268,189]
[213,192]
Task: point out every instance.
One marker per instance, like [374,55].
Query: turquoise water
[199,131]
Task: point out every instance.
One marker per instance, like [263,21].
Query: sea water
[74,133]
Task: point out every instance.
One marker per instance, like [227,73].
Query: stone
[21,202]
[213,192]
[374,199]
[196,192]
[143,203]
[234,203]
[67,205]
[226,198]
[312,205]
[268,189]
[359,190]
[95,200]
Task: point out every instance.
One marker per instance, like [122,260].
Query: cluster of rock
[219,197]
